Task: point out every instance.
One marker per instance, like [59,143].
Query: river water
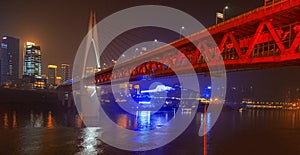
[62,132]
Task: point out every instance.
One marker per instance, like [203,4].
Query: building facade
[9,60]
[32,60]
[66,72]
[52,74]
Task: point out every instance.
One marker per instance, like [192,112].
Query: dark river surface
[62,132]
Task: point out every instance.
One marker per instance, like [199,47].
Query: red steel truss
[265,37]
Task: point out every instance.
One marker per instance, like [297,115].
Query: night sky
[59,27]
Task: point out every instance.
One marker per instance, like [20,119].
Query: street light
[144,49]
[224,11]
[181,29]
[155,41]
[136,52]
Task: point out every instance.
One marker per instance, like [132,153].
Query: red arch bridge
[268,36]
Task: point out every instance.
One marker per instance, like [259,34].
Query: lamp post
[224,11]
[155,41]
[181,29]
[136,52]
[221,15]
[104,65]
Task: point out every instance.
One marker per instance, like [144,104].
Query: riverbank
[28,99]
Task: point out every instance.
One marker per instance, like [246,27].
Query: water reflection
[47,132]
[275,118]
[47,119]
[5,120]
[79,122]
[14,124]
[143,120]
[122,120]
[90,142]
[36,120]
[50,120]
[206,124]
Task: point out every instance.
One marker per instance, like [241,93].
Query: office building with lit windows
[51,74]
[66,73]
[9,60]
[32,60]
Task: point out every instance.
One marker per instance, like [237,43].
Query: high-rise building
[33,60]
[9,60]
[52,74]
[66,74]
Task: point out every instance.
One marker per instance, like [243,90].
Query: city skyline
[64,39]
[20,67]
[155,77]
[62,48]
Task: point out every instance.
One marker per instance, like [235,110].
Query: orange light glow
[79,121]
[30,43]
[122,121]
[5,120]
[50,120]
[14,125]
[52,66]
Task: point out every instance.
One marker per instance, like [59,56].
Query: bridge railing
[260,12]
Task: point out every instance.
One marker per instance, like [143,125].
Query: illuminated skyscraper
[52,74]
[32,60]
[9,60]
[66,74]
